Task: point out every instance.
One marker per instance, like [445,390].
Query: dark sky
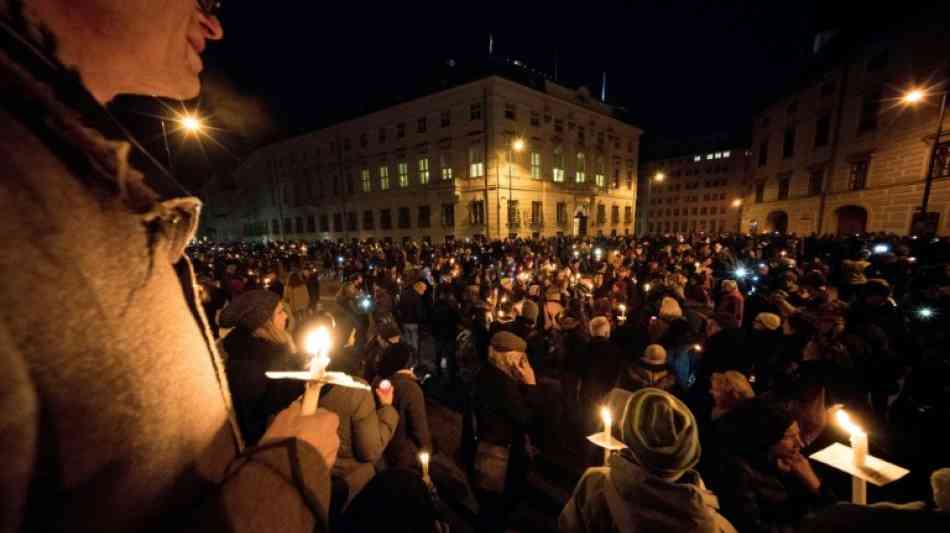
[681,68]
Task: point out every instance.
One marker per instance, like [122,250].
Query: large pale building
[695,192]
[844,152]
[489,157]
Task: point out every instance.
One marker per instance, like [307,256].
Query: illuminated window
[384,178]
[476,165]
[558,165]
[424,171]
[709,156]
[364,178]
[726,154]
[581,175]
[599,178]
[446,167]
[403,174]
[697,158]
[536,165]
[718,155]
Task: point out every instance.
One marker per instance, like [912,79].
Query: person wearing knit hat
[767,321]
[732,301]
[773,484]
[650,370]
[651,484]
[530,311]
[670,309]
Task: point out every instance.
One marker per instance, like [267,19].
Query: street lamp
[191,123]
[737,204]
[517,146]
[912,97]
[658,177]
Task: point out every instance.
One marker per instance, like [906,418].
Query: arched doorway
[851,219]
[777,221]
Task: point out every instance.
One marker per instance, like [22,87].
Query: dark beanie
[250,310]
[759,423]
[394,359]
[504,341]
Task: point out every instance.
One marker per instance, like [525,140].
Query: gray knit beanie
[250,310]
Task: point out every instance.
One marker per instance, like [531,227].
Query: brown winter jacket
[114,406]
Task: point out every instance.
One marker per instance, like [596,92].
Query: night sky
[680,68]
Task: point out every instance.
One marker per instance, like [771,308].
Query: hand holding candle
[608,422]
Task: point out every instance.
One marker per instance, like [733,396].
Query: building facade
[846,153]
[697,192]
[490,157]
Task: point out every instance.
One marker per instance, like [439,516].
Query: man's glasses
[210,7]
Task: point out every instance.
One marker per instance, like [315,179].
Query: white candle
[859,439]
[317,344]
[424,460]
[608,420]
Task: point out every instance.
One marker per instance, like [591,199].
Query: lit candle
[859,439]
[424,460]
[317,344]
[697,347]
[608,420]
[646,287]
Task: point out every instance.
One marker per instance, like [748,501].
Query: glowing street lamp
[659,177]
[191,123]
[912,97]
[737,202]
[518,145]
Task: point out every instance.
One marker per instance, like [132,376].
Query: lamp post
[658,177]
[737,204]
[517,146]
[913,97]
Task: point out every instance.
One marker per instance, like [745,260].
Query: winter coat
[412,432]
[256,399]
[653,503]
[636,377]
[504,408]
[732,303]
[364,433]
[411,309]
[116,409]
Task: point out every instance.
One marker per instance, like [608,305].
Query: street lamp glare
[659,177]
[191,123]
[518,145]
[913,96]
[737,202]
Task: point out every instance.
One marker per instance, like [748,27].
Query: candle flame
[424,458]
[845,422]
[606,416]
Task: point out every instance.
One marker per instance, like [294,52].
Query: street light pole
[928,180]
[658,177]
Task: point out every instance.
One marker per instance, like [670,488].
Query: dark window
[425,216]
[558,125]
[337,222]
[311,224]
[510,111]
[298,223]
[400,130]
[363,140]
[792,108]
[942,161]
[385,219]
[628,214]
[382,135]
[870,109]
[601,214]
[350,183]
[783,183]
[324,223]
[514,215]
[448,215]
[615,214]
[404,221]
[759,193]
[421,126]
[478,212]
[562,213]
[368,221]
[822,131]
[535,118]
[475,112]
[702,210]
[287,225]
[275,226]
[537,213]
[351,221]
[858,177]
[446,119]
[815,180]
[788,144]
[764,152]
[346,145]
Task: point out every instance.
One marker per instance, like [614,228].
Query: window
[581,175]
[476,166]
[384,178]
[941,165]
[368,222]
[400,130]
[324,223]
[475,112]
[448,215]
[445,119]
[382,135]
[858,177]
[615,215]
[764,152]
[403,174]
[351,221]
[299,224]
[424,171]
[822,130]
[510,113]
[536,165]
[537,213]
[274,226]
[311,224]
[726,154]
[788,144]
[558,164]
[627,214]
[337,222]
[446,166]
[535,119]
[363,140]
[616,181]
[404,221]
[421,125]
[288,225]
[478,212]
[870,108]
[385,218]
[815,181]
[514,215]
[697,158]
[562,213]
[365,180]
[783,184]
[425,216]
[702,211]
[601,214]
[759,193]
[346,145]
[599,178]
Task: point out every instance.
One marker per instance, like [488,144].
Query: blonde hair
[507,362]
[734,387]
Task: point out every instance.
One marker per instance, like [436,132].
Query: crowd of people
[721,358]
